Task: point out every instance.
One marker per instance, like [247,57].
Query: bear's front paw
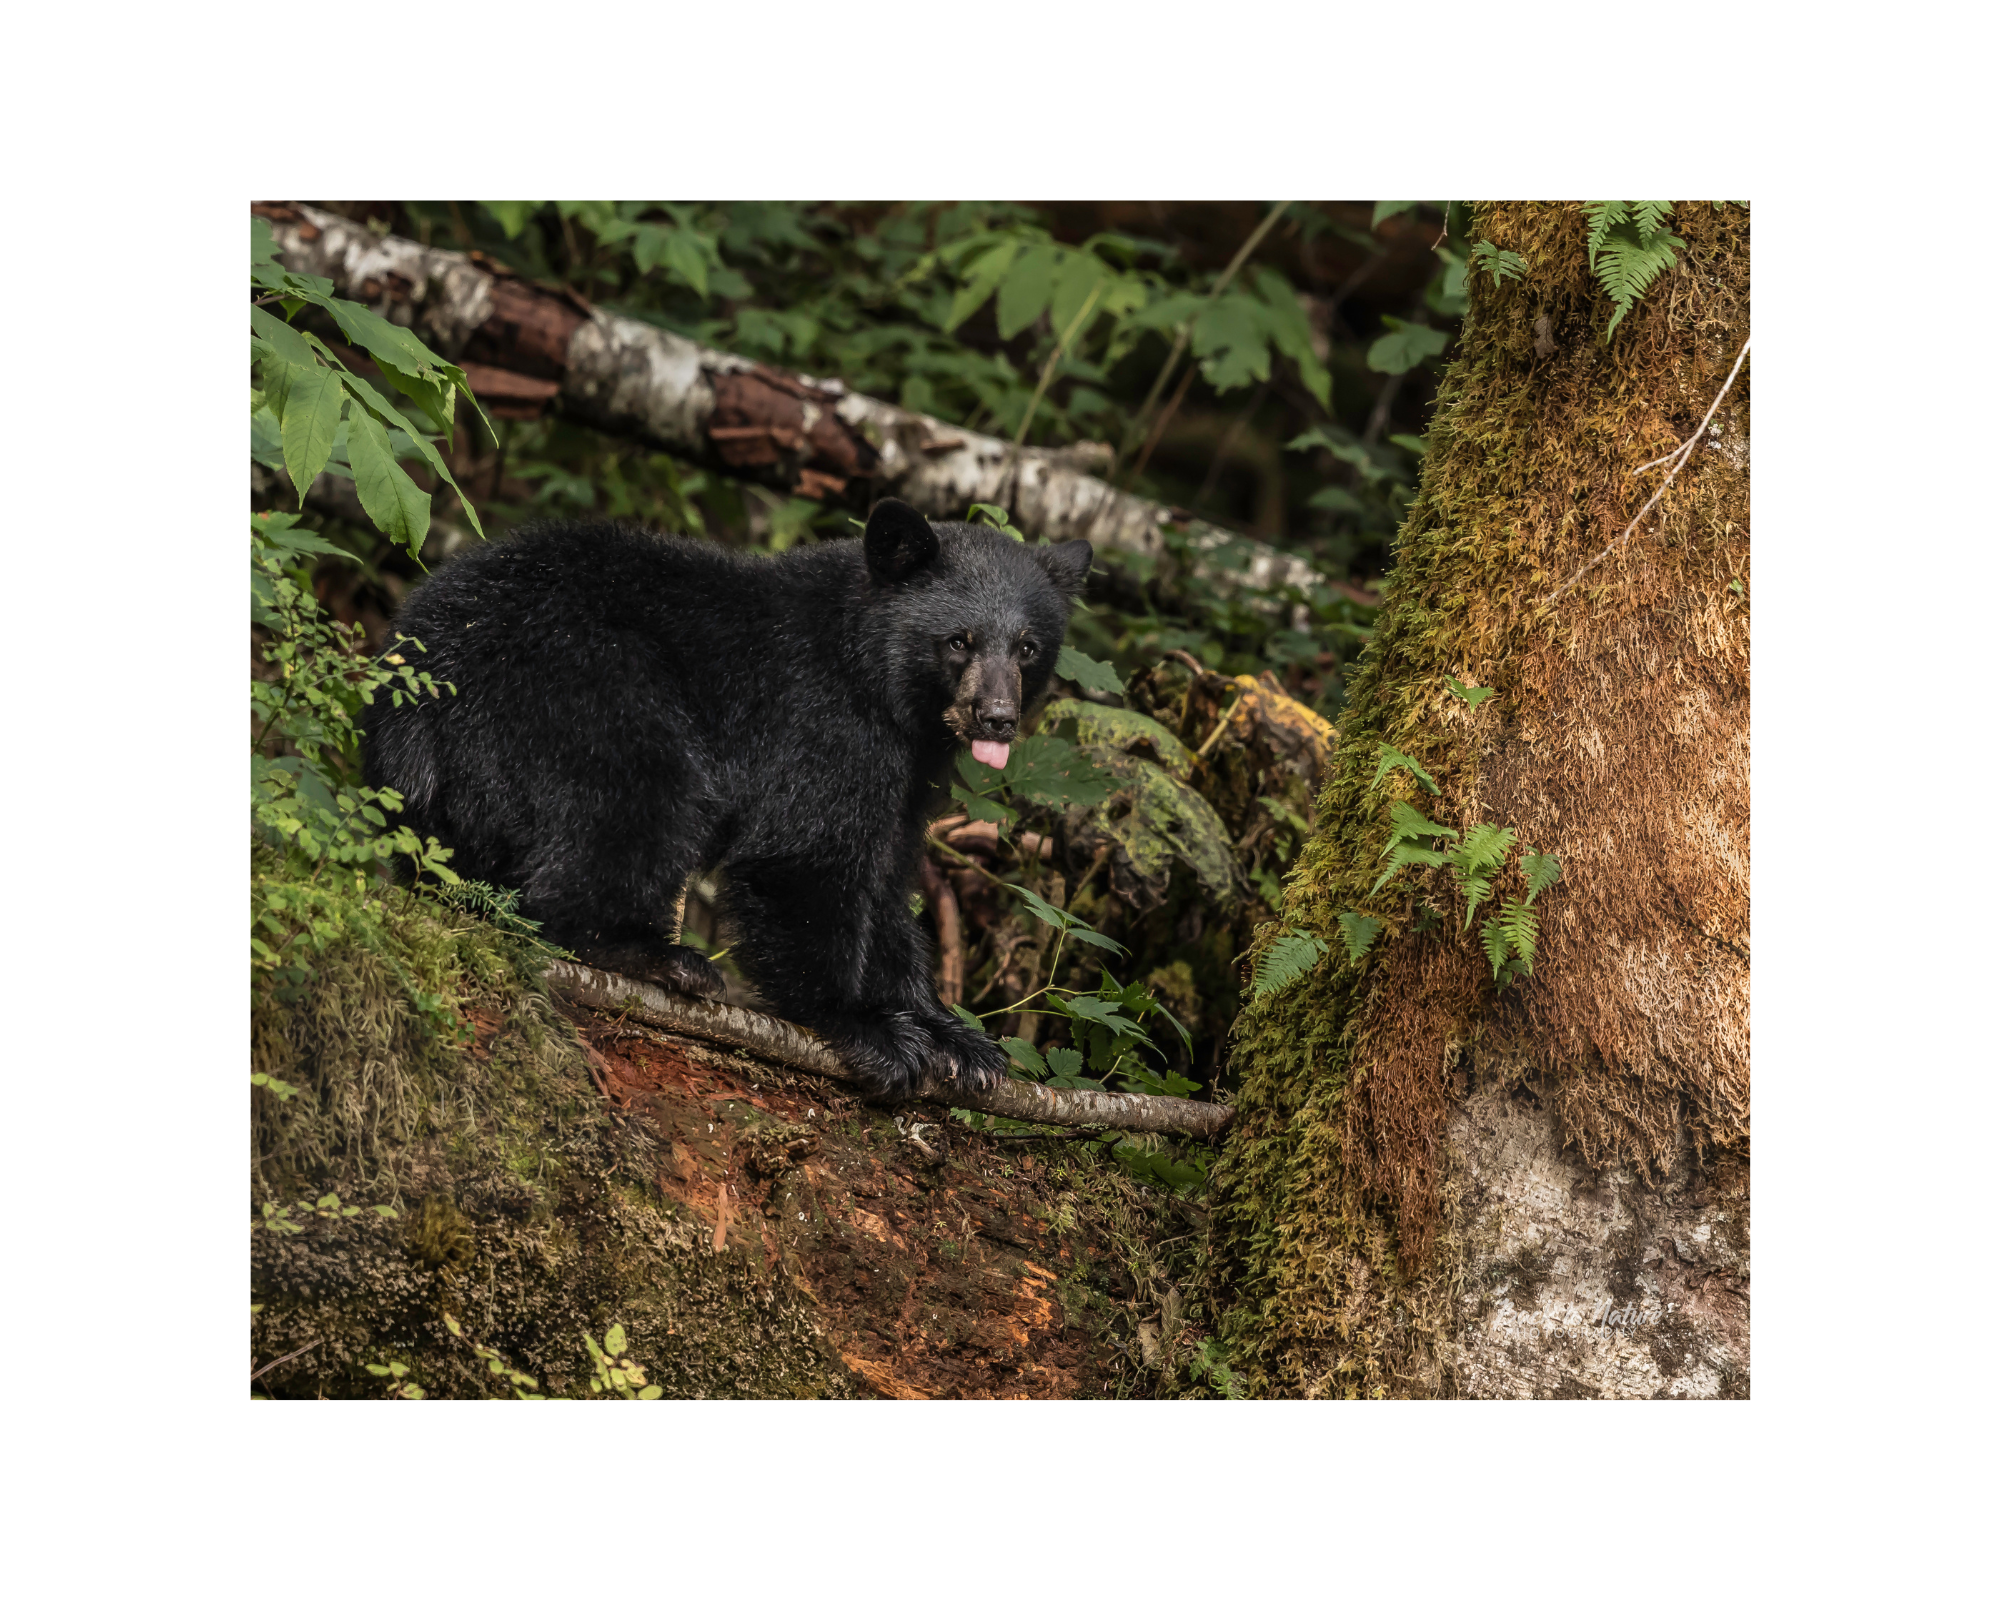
[891,1056]
[964,1058]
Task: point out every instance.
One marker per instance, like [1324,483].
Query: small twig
[1355,279]
[1139,422]
[1228,717]
[302,1349]
[1228,443]
[1096,863]
[986,836]
[1181,338]
[1049,367]
[960,859]
[1160,428]
[1249,247]
[1679,457]
[1020,1007]
[1378,419]
[951,950]
[1202,673]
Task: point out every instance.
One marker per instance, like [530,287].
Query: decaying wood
[780,1042]
[526,347]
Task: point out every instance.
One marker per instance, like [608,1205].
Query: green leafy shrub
[322,840]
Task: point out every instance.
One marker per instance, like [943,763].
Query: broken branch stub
[784,1044]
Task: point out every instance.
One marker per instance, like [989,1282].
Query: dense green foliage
[1029,323]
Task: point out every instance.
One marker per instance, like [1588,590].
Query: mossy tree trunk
[1439,1187]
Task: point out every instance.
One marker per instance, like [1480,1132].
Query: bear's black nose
[997,715]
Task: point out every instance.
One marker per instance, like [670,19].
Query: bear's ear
[898,541]
[1068,564]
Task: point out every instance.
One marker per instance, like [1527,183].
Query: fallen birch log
[525,347]
[772,1039]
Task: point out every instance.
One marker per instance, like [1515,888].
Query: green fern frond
[1392,758]
[1633,265]
[1494,938]
[1519,926]
[1408,855]
[1287,961]
[1502,264]
[1407,822]
[1412,854]
[1485,848]
[1541,871]
[1358,933]
[1474,864]
[1651,215]
[1604,215]
[1407,827]
[1629,248]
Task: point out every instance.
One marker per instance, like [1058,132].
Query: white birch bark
[628,377]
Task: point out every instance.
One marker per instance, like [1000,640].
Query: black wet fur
[633,709]
[673,966]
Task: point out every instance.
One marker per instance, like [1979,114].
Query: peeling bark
[778,1041]
[526,347]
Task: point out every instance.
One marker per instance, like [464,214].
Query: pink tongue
[990,751]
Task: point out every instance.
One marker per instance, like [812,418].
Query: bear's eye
[958,642]
[1027,649]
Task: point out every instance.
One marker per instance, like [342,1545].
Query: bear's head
[975,619]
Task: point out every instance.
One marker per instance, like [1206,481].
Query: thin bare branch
[1679,457]
[302,1349]
[775,1040]
[1138,428]
[951,949]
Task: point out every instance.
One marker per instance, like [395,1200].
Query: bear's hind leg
[625,918]
[646,955]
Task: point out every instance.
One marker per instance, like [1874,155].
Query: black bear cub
[633,709]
